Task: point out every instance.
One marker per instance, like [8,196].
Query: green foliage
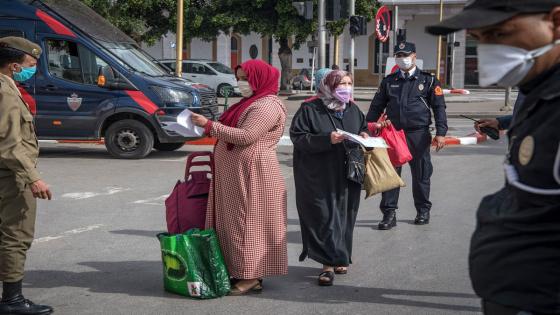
[367,8]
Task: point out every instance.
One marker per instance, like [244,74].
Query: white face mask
[245,88]
[404,63]
[506,65]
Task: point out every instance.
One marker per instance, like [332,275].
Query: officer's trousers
[419,143]
[17,227]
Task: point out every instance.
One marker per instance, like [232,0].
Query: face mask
[245,88]
[506,65]
[25,74]
[343,94]
[404,63]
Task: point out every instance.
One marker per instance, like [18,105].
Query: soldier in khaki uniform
[20,182]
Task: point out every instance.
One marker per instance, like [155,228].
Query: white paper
[371,142]
[184,125]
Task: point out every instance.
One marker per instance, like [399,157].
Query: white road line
[88,194]
[156,201]
[68,233]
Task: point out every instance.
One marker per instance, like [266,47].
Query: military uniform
[408,100]
[18,158]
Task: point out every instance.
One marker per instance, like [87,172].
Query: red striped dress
[250,193]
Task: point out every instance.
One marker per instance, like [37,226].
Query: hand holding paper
[184,126]
[371,142]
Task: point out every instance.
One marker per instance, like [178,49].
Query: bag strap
[335,130]
[191,162]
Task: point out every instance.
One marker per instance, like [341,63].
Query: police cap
[405,47]
[483,13]
[21,44]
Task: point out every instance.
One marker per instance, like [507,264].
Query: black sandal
[342,270]
[326,274]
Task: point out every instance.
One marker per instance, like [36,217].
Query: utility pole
[322,34]
[179,41]
[438,66]
[351,12]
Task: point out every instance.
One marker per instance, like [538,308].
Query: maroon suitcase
[186,205]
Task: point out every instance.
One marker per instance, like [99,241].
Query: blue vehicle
[93,82]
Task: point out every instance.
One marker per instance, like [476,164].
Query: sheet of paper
[184,125]
[371,142]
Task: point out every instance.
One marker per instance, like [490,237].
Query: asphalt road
[96,250]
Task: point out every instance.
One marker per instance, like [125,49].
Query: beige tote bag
[381,176]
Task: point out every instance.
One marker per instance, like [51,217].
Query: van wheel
[168,146]
[222,88]
[129,139]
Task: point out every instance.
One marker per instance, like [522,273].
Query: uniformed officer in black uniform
[409,96]
[515,250]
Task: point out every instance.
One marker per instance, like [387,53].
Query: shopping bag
[398,151]
[185,208]
[381,175]
[193,264]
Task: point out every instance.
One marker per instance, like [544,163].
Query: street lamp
[179,45]
[438,66]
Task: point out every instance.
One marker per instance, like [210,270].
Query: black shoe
[18,305]
[389,220]
[422,218]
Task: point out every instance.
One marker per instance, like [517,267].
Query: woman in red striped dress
[247,205]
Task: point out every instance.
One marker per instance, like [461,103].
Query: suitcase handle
[191,162]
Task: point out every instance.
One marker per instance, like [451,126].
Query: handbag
[398,151]
[193,264]
[185,208]
[380,176]
[355,167]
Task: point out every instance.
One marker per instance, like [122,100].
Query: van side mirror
[109,78]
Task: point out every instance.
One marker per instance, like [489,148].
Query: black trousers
[490,308]
[419,143]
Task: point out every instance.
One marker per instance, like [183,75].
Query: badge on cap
[526,150]
[421,87]
[35,52]
[402,46]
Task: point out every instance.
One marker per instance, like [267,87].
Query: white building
[458,57]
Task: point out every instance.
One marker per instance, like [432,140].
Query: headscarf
[319,75]
[327,88]
[263,79]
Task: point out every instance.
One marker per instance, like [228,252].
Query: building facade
[458,62]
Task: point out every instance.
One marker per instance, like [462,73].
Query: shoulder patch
[438,91]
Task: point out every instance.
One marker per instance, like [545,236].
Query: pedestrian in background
[327,202]
[515,249]
[20,182]
[319,75]
[408,97]
[247,202]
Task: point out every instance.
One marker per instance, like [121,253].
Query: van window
[198,68]
[6,33]
[73,62]
[220,67]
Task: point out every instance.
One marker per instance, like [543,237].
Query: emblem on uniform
[438,91]
[421,87]
[74,102]
[526,150]
[402,46]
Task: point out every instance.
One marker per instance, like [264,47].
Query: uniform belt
[412,129]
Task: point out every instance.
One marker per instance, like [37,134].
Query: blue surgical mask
[25,74]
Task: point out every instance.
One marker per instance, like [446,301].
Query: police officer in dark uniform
[515,249]
[409,96]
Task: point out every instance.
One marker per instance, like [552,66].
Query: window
[6,33]
[73,62]
[197,68]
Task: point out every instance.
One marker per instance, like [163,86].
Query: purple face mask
[343,94]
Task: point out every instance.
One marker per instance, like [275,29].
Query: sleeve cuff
[32,176]
[208,127]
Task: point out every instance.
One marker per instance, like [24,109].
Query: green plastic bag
[193,264]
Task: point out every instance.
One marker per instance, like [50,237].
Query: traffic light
[304,9]
[358,25]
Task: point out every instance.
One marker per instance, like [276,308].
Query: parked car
[212,73]
[94,82]
[303,80]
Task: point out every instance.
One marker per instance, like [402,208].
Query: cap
[21,44]
[405,47]
[482,13]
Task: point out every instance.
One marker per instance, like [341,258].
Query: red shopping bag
[398,151]
[186,205]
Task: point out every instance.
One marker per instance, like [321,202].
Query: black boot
[422,218]
[389,220]
[13,302]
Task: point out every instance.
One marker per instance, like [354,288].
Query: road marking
[68,233]
[156,201]
[88,194]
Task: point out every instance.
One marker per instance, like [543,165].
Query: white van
[212,73]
